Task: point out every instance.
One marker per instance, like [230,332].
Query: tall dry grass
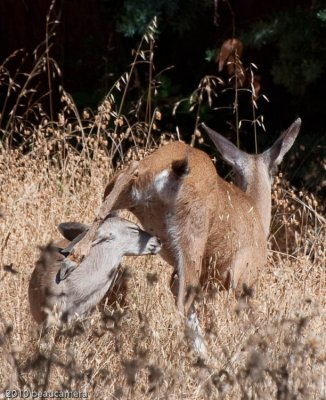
[268,345]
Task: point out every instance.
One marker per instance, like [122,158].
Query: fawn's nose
[155,245]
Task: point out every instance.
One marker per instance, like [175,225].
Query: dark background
[94,39]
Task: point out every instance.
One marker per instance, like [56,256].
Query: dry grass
[269,346]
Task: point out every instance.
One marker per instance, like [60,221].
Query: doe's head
[248,167]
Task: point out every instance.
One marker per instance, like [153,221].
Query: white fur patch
[198,340]
[161,186]
[136,194]
[161,180]
[166,187]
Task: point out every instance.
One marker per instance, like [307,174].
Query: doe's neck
[256,183]
[262,203]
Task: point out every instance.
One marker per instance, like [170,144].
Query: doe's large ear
[229,152]
[70,230]
[282,145]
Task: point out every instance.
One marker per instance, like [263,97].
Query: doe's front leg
[189,273]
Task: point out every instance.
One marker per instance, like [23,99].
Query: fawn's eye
[134,231]
[109,237]
[104,238]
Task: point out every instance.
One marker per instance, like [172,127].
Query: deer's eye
[133,231]
[105,238]
[111,236]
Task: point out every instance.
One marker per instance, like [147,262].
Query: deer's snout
[154,245]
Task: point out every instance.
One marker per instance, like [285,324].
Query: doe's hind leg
[244,270]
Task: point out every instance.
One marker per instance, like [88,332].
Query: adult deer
[200,218]
[56,284]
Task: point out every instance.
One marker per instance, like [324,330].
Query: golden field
[268,346]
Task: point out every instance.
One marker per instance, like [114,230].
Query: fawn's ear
[69,249]
[70,230]
[67,266]
[274,155]
[65,270]
[229,152]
